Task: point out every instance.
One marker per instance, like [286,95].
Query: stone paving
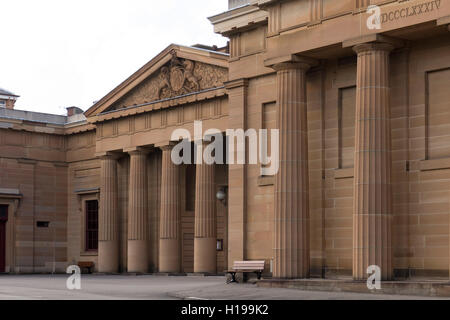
[150,287]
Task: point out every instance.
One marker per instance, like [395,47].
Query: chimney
[10,104]
[232,4]
[71,111]
[7,99]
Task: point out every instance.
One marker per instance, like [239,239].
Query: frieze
[413,10]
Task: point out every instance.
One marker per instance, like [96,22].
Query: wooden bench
[87,265]
[247,267]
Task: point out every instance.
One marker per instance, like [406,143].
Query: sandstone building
[364,179]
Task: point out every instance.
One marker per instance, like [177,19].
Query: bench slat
[249,265]
[85,264]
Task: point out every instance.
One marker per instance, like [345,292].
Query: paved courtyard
[123,287]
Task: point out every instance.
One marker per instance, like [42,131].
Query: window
[438,114]
[3,213]
[91,225]
[2,104]
[43,224]
[347,109]
[269,122]
[190,187]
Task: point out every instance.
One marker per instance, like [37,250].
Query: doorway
[3,220]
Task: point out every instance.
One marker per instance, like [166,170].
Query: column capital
[137,150]
[109,155]
[202,141]
[373,42]
[167,147]
[237,83]
[375,46]
[444,21]
[290,62]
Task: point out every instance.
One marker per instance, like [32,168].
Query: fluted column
[170,241]
[372,190]
[205,241]
[291,236]
[138,213]
[108,235]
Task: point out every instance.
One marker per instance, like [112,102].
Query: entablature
[318,28]
[169,103]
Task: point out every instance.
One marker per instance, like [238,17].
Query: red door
[3,220]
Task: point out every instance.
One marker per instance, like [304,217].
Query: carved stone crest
[178,78]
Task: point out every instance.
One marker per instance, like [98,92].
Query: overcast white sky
[56,54]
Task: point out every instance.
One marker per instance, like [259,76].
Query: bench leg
[259,275]
[233,277]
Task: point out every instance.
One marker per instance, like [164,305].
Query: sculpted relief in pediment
[178,77]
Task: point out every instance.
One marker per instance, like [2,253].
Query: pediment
[176,72]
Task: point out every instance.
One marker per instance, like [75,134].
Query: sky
[56,54]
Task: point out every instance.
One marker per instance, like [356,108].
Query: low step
[410,288]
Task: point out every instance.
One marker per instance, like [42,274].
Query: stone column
[169,244]
[291,236]
[237,185]
[372,189]
[108,235]
[138,213]
[205,241]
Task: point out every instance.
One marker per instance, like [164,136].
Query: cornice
[47,128]
[263,3]
[238,20]
[158,105]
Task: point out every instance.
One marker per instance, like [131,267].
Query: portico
[145,140]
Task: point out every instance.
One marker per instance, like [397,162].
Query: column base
[205,255]
[169,256]
[108,256]
[138,256]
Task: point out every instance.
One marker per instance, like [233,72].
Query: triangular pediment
[175,72]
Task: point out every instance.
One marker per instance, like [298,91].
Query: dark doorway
[92,225]
[3,220]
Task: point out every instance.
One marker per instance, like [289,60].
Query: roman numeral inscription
[411,11]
